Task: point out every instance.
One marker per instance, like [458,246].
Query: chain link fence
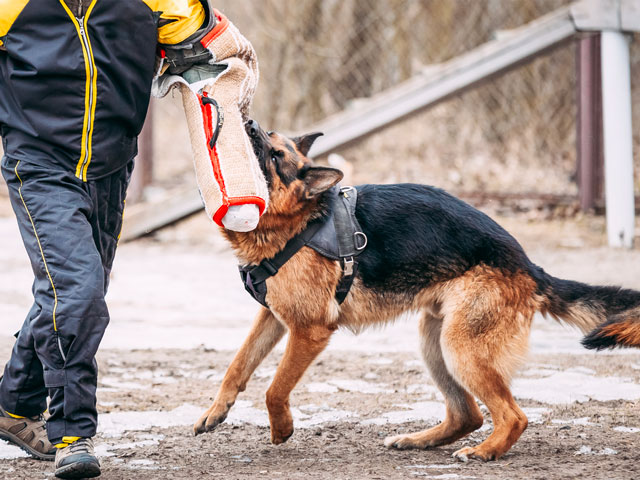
[515,133]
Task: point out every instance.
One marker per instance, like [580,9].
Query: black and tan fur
[429,252]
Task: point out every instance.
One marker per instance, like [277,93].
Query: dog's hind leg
[304,345]
[484,337]
[264,335]
[463,415]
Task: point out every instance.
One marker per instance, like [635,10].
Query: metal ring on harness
[220,117]
[364,240]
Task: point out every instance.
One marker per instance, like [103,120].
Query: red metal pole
[589,123]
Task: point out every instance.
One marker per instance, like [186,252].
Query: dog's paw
[403,442]
[281,428]
[210,420]
[280,437]
[464,454]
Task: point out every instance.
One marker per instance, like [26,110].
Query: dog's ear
[320,179]
[304,142]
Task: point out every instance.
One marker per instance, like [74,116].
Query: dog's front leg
[264,335]
[304,345]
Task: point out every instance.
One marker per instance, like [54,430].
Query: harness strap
[351,239]
[338,237]
[256,275]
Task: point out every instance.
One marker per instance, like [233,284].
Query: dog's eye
[276,156]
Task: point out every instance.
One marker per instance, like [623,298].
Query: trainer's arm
[179,19]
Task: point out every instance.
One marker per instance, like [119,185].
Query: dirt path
[339,430]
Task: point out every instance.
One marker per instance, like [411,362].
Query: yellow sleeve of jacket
[10,9]
[179,19]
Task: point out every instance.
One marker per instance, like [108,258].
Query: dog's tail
[610,316]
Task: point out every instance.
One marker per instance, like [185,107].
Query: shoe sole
[79,470]
[18,442]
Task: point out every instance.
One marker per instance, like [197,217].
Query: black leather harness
[337,236]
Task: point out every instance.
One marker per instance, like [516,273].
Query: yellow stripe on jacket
[185,18]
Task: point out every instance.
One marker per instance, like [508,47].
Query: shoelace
[80,446]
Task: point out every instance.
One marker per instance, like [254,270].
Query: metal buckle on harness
[344,190]
[348,266]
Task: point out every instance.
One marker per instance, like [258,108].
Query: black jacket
[75,77]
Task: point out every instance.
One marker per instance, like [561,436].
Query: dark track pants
[70,229]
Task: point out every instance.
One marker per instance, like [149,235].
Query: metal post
[589,134]
[618,144]
[143,171]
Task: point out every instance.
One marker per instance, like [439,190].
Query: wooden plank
[450,78]
[145,218]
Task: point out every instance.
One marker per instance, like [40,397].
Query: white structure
[618,140]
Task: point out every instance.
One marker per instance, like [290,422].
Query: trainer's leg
[22,390]
[108,198]
[463,415]
[53,208]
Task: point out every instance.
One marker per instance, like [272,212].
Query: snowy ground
[179,311]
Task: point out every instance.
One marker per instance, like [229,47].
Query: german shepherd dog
[430,252]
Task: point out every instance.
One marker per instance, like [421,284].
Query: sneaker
[28,433]
[77,460]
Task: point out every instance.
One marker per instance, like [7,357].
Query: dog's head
[294,181]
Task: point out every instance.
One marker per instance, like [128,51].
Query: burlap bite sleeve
[227,170]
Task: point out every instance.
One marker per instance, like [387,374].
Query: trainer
[75,79]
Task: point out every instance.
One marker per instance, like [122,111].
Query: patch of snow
[114,424]
[380,361]
[420,411]
[115,383]
[359,386]
[436,466]
[575,386]
[579,369]
[627,429]
[265,373]
[143,464]
[584,450]
[142,461]
[413,363]
[8,451]
[536,414]
[538,372]
[371,376]
[157,376]
[574,421]
[587,450]
[244,413]
[424,388]
[319,416]
[208,374]
[442,475]
[321,387]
